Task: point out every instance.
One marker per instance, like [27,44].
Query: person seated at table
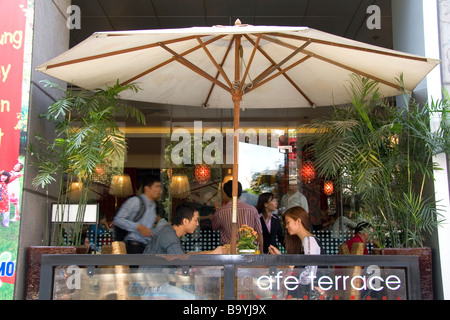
[271,224]
[166,239]
[300,240]
[362,234]
[342,225]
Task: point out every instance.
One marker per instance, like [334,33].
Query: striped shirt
[246,214]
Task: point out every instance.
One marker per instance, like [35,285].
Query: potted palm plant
[86,136]
[384,154]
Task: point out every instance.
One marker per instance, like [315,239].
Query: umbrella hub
[236,94]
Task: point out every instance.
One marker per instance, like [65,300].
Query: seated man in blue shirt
[140,232]
[166,239]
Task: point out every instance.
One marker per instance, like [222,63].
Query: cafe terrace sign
[326,283]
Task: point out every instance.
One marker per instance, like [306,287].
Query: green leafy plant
[86,136]
[384,153]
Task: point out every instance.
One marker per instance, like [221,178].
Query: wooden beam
[118,52]
[219,67]
[340,65]
[162,64]
[347,46]
[194,68]
[140,75]
[237,97]
[353,70]
[250,61]
[284,74]
[278,65]
[237,48]
[282,71]
[218,73]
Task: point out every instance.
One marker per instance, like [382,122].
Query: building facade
[419,27]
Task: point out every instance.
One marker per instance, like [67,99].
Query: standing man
[293,198]
[246,214]
[140,232]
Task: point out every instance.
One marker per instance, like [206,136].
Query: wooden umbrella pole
[237,97]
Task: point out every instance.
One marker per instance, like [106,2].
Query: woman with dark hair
[271,224]
[363,230]
[300,240]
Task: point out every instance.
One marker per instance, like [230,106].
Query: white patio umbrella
[211,67]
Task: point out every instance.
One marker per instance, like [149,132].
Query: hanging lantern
[100,174]
[328,188]
[308,172]
[179,187]
[229,176]
[121,186]
[202,173]
[74,191]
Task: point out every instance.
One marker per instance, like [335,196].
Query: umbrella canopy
[264,66]
[280,67]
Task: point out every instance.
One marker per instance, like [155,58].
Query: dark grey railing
[228,262]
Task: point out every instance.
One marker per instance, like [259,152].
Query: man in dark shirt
[166,239]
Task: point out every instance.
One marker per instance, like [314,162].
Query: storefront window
[207,283]
[118,283]
[191,150]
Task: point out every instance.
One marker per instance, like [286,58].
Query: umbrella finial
[237,22]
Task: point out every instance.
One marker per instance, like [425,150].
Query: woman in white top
[299,239]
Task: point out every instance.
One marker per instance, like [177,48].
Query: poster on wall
[16,36]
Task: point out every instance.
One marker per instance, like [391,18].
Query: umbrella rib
[298,89]
[219,67]
[362,73]
[340,65]
[284,74]
[282,71]
[218,73]
[250,61]
[347,46]
[194,68]
[278,66]
[162,64]
[113,53]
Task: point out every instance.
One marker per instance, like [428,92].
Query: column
[415,25]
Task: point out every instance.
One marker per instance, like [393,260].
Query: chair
[357,249]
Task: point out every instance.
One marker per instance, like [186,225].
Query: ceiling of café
[345,18]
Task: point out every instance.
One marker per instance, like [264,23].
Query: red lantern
[202,173]
[328,187]
[308,171]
